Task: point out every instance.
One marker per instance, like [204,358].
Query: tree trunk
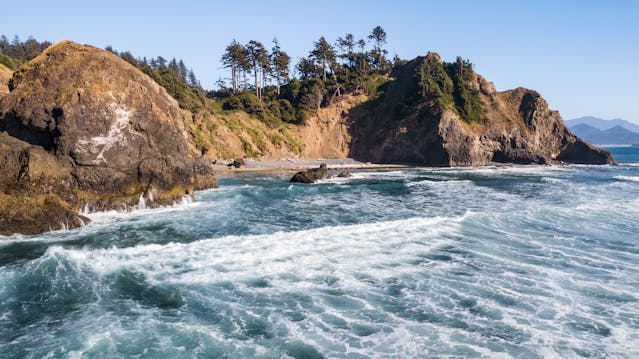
[263,83]
[233,78]
[278,83]
[257,86]
[324,67]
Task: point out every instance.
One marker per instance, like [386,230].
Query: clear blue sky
[580,55]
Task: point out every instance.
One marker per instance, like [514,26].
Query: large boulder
[311,175]
[111,134]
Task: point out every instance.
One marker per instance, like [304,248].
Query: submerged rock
[84,128]
[311,175]
[344,174]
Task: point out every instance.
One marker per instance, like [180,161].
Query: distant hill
[616,135]
[602,124]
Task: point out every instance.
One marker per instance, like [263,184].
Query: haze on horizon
[580,55]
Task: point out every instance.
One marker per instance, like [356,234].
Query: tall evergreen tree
[192,80]
[173,67]
[280,62]
[378,36]
[347,46]
[182,71]
[259,60]
[235,58]
[324,54]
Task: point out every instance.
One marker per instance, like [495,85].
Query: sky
[580,55]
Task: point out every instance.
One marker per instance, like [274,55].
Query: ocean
[495,262]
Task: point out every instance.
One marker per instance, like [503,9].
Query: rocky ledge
[82,129]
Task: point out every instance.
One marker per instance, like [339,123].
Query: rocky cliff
[86,130]
[83,130]
[441,114]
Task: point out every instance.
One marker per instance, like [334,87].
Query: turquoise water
[519,262]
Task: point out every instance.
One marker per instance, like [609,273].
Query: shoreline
[294,165]
[289,166]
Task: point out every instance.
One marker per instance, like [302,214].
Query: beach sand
[292,165]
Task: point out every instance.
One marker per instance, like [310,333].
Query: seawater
[496,262]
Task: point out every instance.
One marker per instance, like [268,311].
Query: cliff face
[85,129]
[326,134]
[441,115]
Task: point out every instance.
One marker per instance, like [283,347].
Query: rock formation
[428,116]
[85,129]
[311,175]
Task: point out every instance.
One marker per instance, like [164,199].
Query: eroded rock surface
[93,132]
[420,119]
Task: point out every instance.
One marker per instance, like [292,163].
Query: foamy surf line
[266,253]
[627,178]
[101,219]
[140,210]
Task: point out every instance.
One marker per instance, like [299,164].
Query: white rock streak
[115,134]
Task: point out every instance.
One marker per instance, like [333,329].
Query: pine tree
[193,82]
[378,35]
[259,60]
[324,54]
[347,45]
[182,71]
[280,61]
[235,58]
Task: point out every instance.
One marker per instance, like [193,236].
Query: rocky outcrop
[311,175]
[85,129]
[344,174]
[423,118]
[237,163]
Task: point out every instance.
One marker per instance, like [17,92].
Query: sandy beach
[292,165]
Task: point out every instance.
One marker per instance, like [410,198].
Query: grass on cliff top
[189,98]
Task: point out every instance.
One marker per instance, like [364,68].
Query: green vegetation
[468,102]
[326,74]
[173,75]
[450,86]
[15,53]
[9,62]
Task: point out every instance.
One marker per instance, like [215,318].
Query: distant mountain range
[605,132]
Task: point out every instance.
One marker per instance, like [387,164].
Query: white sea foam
[139,211]
[282,252]
[627,178]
